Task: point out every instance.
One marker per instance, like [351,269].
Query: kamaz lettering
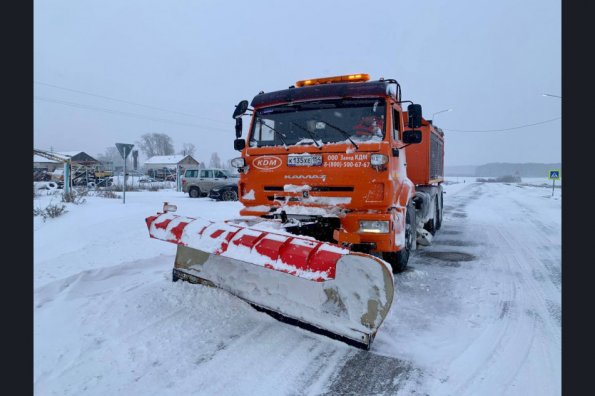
[322,177]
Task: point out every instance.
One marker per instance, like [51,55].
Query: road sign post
[554,174]
[124,149]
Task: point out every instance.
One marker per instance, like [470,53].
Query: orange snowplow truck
[339,184]
[338,159]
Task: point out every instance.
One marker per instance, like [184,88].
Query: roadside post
[178,181]
[554,175]
[124,149]
[67,177]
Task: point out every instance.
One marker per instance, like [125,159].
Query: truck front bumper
[351,235]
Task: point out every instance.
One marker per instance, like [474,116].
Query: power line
[124,101]
[500,130]
[128,114]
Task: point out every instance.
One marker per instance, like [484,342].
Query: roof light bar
[336,79]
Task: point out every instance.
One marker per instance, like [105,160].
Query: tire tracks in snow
[521,331]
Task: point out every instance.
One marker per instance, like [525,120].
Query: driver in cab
[369,126]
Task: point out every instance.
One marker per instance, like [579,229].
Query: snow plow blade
[314,285]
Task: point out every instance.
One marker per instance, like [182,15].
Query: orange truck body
[425,162]
[346,184]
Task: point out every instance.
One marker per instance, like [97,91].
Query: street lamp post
[443,111]
[555,96]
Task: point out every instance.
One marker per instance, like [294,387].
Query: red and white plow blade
[315,284]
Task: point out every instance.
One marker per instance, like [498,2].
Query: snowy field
[531,181]
[476,313]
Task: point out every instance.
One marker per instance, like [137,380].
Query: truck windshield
[320,122]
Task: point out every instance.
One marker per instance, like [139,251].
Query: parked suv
[198,182]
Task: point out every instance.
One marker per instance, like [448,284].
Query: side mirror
[240,109]
[238,127]
[414,115]
[239,144]
[411,137]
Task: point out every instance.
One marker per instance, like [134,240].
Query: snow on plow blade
[311,284]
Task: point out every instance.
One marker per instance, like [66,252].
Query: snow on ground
[476,313]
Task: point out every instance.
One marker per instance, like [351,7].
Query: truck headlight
[238,162]
[378,159]
[374,226]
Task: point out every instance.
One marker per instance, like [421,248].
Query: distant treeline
[498,169]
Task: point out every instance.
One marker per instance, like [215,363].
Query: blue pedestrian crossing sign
[554,175]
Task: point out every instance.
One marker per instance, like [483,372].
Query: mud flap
[351,307]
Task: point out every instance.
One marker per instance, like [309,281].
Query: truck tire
[194,192]
[399,260]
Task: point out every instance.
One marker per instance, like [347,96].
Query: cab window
[396,125]
[219,174]
[206,174]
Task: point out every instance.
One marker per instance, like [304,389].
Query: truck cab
[327,158]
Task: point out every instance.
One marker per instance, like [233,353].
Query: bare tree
[152,144]
[188,149]
[202,165]
[111,155]
[228,166]
[215,161]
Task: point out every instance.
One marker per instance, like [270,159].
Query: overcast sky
[489,61]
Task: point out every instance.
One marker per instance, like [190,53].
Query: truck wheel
[398,260]
[194,192]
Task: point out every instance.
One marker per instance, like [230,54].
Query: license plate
[304,160]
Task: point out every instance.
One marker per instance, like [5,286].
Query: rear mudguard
[313,284]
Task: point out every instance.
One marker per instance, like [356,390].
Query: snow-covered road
[476,313]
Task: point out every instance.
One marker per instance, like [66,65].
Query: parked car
[146,179]
[199,182]
[226,192]
[129,173]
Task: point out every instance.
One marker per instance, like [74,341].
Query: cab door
[397,155]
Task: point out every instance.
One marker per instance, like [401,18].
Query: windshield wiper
[279,134]
[309,133]
[344,134]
